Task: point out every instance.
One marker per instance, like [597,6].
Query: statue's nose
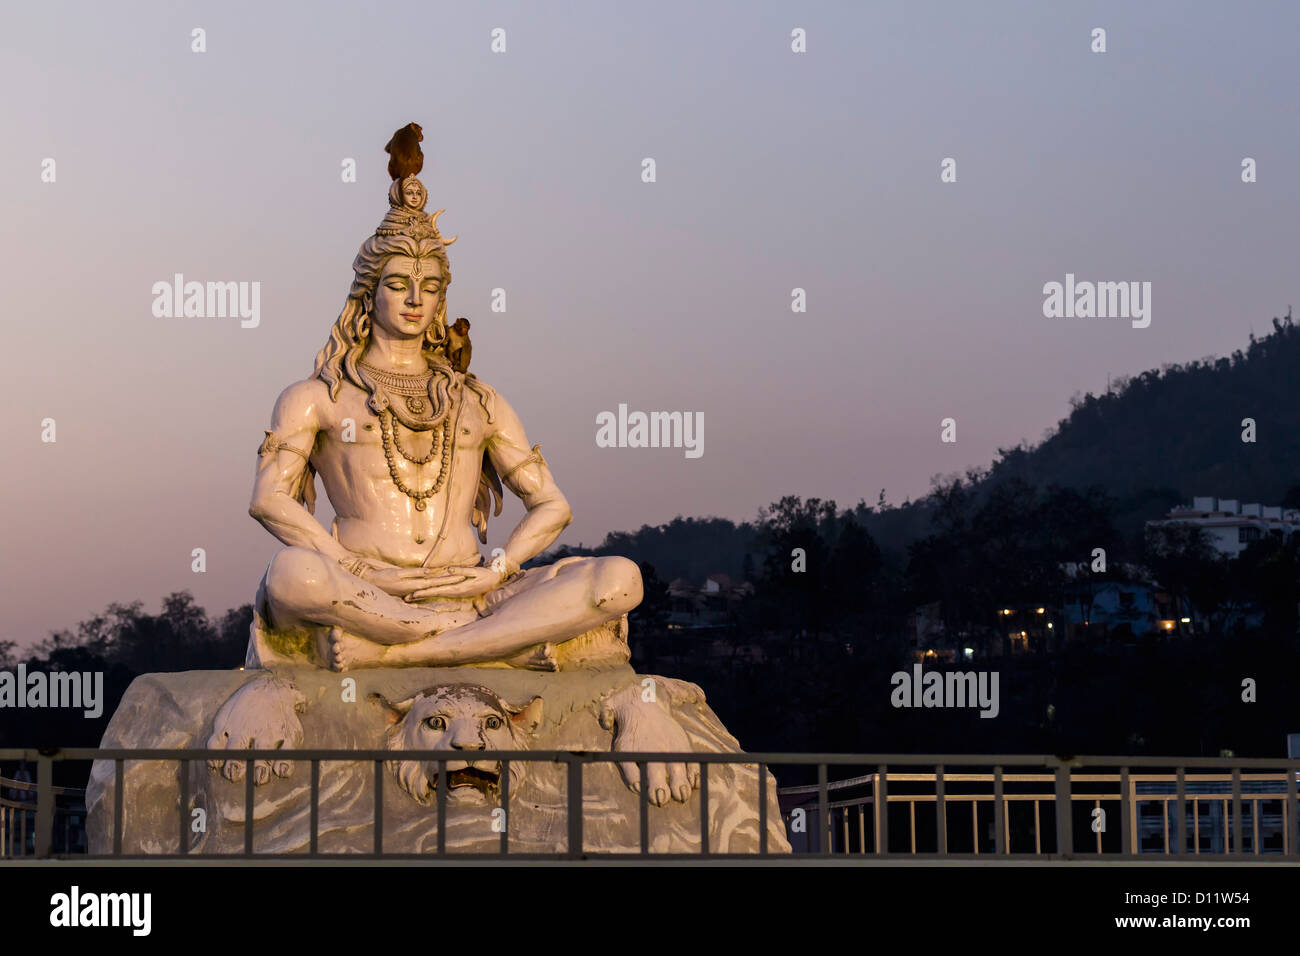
[465,738]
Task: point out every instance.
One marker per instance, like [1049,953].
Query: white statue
[414,452]
[410,450]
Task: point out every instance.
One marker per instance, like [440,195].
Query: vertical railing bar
[880,795]
[1126,807]
[911,817]
[1227,841]
[44,806]
[1164,811]
[119,788]
[185,806]
[313,847]
[1196,825]
[844,827]
[442,808]
[1038,828]
[644,771]
[248,808]
[1180,790]
[574,800]
[1064,813]
[505,807]
[1006,825]
[379,808]
[975,825]
[762,809]
[999,810]
[704,808]
[862,829]
[1289,818]
[823,814]
[1096,804]
[1254,825]
[940,812]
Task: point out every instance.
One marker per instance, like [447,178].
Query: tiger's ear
[392,712]
[527,718]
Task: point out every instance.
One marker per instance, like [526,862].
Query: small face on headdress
[414,195]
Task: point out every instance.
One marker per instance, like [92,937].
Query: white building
[1229,525]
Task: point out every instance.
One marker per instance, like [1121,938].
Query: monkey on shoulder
[457,345]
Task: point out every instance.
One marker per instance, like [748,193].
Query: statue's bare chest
[354,437]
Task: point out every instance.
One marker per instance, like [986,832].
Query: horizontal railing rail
[953,785]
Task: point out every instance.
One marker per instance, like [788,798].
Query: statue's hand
[459,582]
[404,582]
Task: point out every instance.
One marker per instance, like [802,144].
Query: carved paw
[261,715]
[642,720]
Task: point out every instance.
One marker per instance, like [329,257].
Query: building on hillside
[708,604]
[1110,606]
[1230,525]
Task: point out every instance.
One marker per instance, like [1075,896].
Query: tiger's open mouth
[485,781]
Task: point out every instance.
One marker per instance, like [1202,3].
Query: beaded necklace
[415,390]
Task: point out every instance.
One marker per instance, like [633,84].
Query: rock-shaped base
[422,708]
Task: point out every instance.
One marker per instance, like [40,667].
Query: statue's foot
[642,721]
[347,652]
[540,657]
[262,714]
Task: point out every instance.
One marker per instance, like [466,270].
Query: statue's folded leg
[537,607]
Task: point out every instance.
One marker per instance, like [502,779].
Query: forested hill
[1154,441]
[1180,429]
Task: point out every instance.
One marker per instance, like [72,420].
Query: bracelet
[356,566]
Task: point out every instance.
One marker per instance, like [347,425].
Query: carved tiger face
[461,717]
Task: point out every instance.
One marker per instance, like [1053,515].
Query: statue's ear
[392,712]
[529,717]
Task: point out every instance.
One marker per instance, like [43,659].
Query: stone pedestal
[579,710]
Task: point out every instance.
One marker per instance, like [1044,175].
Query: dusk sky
[775,170]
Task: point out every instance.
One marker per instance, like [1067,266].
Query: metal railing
[18,827]
[1033,805]
[1019,813]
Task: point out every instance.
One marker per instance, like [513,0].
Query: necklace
[442,445]
[413,388]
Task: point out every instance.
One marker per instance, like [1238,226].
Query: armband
[271,444]
[534,458]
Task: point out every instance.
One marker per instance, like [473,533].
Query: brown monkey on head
[457,345]
[405,158]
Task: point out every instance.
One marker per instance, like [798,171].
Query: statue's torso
[374,517]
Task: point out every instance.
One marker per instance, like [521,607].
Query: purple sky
[775,170]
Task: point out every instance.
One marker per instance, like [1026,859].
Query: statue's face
[411,193]
[407,296]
